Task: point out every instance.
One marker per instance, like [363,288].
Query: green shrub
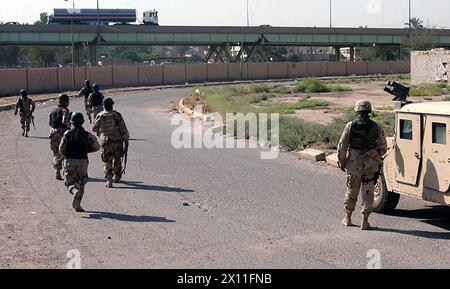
[315,85]
[290,108]
[429,90]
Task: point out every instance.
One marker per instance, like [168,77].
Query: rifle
[125,157]
[32,121]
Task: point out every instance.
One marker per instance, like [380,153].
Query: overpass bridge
[219,39]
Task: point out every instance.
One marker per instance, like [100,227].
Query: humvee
[417,163]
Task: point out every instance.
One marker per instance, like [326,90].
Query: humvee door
[408,151]
[437,153]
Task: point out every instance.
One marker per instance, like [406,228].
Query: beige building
[429,67]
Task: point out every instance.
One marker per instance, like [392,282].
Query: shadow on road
[416,233]
[138,139]
[127,218]
[143,187]
[39,137]
[132,185]
[438,216]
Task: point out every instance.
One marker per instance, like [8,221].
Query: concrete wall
[43,80]
[217,72]
[101,75]
[317,69]
[150,75]
[65,78]
[337,68]
[257,71]
[125,75]
[196,72]
[60,79]
[278,70]
[357,68]
[379,67]
[12,81]
[174,74]
[429,67]
[297,69]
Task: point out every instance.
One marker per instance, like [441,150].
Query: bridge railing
[40,80]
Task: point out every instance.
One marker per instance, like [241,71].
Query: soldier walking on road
[360,149]
[75,146]
[95,100]
[114,136]
[25,106]
[59,123]
[86,92]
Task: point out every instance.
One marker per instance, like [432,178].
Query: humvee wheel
[385,201]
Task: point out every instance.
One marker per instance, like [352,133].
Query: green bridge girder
[219,39]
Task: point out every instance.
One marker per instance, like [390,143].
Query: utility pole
[248,16]
[409,18]
[98,13]
[72,43]
[331,14]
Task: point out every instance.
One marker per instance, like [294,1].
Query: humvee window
[439,133]
[406,129]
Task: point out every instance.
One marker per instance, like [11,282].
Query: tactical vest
[24,105]
[109,124]
[87,90]
[364,134]
[97,99]
[56,118]
[77,144]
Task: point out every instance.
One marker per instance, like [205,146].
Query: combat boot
[347,221]
[58,175]
[23,132]
[26,133]
[109,184]
[365,223]
[117,179]
[76,204]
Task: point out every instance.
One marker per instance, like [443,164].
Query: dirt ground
[340,101]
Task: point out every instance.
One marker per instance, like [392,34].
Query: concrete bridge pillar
[352,53]
[337,53]
[93,52]
[78,55]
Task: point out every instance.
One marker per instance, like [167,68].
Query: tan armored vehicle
[417,163]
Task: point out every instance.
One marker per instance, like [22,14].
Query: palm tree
[415,23]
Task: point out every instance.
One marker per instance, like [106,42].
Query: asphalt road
[243,213]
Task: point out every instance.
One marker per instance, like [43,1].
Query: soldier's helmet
[87,82]
[108,102]
[96,87]
[23,93]
[63,98]
[77,118]
[363,106]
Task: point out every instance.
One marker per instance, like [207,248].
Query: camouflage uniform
[58,128]
[95,101]
[75,146]
[359,152]
[25,107]
[86,92]
[113,134]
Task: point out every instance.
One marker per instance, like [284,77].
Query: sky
[296,13]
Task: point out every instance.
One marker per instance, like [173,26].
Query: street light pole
[73,44]
[409,18]
[248,17]
[331,14]
[98,13]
